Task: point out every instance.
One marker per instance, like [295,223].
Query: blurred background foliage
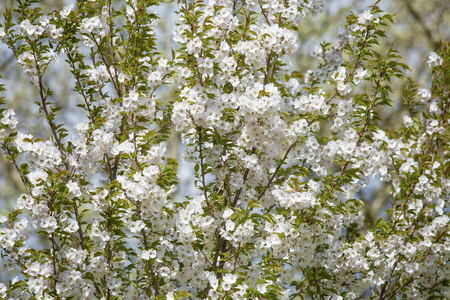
[421,25]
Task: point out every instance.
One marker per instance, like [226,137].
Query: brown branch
[278,167]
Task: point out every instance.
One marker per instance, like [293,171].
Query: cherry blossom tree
[281,157]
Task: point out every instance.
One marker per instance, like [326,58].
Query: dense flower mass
[281,159]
